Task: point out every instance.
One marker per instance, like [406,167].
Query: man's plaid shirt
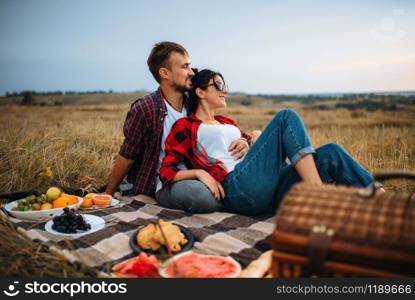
[181,147]
[143,131]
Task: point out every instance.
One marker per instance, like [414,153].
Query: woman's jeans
[259,182]
[191,195]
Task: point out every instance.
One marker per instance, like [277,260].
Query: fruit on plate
[46,206]
[61,202]
[53,193]
[30,203]
[141,266]
[87,202]
[193,265]
[73,199]
[69,222]
[102,199]
[33,202]
[35,206]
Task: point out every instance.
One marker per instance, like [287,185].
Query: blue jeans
[192,196]
[260,181]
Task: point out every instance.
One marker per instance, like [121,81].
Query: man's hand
[239,148]
[214,186]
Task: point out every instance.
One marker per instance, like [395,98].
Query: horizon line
[111,91]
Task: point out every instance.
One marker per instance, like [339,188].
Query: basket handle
[383,175]
[393,174]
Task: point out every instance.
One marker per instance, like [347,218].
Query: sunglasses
[220,86]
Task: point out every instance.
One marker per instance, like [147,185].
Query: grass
[21,257]
[80,143]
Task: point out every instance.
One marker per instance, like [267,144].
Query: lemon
[53,193]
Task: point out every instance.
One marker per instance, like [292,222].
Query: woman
[257,183]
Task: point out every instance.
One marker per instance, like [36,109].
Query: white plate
[37,215]
[114,202]
[97,223]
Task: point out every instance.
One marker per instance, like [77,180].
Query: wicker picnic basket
[336,231]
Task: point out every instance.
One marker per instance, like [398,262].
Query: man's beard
[183,89]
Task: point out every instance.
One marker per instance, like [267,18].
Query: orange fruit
[102,199]
[61,202]
[87,202]
[90,195]
[73,198]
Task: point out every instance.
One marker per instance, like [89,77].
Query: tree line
[54,93]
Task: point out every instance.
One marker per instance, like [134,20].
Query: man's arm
[134,127]
[119,171]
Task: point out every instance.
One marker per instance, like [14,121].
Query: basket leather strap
[319,243]
[383,175]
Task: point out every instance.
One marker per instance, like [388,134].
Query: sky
[261,46]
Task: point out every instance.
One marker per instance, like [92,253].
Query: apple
[46,206]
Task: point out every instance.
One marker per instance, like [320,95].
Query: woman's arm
[185,175]
[214,186]
[178,148]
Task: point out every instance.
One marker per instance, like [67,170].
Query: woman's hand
[239,148]
[214,186]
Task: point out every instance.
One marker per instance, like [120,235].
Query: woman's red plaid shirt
[181,147]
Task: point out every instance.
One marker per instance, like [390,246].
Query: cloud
[359,64]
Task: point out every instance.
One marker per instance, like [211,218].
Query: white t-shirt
[171,118]
[216,140]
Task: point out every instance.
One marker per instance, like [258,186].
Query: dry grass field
[79,143]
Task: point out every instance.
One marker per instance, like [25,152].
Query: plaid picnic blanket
[241,237]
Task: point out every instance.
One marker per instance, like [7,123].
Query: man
[146,127]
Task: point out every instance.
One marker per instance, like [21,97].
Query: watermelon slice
[142,266]
[190,264]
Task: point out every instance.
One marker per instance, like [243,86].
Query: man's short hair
[159,56]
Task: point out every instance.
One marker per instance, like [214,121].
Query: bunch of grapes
[69,222]
[31,203]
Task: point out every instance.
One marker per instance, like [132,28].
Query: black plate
[187,233]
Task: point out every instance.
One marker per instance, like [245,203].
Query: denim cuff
[300,154]
[370,186]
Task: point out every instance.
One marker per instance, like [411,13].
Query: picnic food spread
[164,233]
[193,265]
[86,246]
[53,198]
[69,222]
